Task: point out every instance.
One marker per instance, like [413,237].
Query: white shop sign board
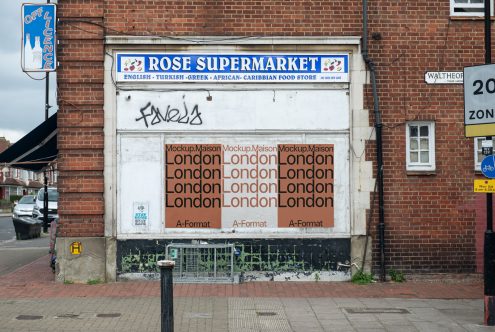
[233,110]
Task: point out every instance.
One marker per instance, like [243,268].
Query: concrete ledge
[81,259]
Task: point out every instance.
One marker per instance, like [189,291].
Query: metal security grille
[196,263]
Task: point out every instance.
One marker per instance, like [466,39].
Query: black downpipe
[378,132]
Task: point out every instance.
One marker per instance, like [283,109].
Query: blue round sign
[488,167]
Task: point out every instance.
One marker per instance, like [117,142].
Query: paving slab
[30,300]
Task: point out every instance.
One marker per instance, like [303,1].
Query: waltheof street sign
[443,77]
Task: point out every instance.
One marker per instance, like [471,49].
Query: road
[16,253]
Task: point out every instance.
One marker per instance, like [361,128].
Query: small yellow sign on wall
[484,186]
[76,248]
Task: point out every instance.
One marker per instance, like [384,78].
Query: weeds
[396,276]
[362,278]
[94,281]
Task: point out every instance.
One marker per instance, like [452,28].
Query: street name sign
[484,186]
[444,77]
[479,100]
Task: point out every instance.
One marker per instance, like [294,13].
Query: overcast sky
[23,99]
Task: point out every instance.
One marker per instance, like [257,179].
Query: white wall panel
[233,110]
[140,169]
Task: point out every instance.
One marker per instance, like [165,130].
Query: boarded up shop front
[250,148]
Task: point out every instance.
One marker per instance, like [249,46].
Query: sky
[23,99]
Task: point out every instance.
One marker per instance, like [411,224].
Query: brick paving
[36,280]
[30,300]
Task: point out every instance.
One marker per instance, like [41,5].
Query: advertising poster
[249,186]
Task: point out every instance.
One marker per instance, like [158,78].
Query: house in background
[18,182]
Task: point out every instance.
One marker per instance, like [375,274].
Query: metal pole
[45,200]
[489,243]
[167,295]
[45,203]
[45,178]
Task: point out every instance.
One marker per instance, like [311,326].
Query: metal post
[167,295]
[45,200]
[489,243]
[45,204]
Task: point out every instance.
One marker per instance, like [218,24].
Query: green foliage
[362,278]
[5,204]
[397,276]
[317,276]
[14,198]
[94,281]
[68,282]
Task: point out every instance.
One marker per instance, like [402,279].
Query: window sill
[470,18]
[421,173]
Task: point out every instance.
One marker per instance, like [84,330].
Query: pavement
[30,300]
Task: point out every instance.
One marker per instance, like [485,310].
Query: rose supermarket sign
[247,68]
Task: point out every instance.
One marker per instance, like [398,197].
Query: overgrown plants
[362,278]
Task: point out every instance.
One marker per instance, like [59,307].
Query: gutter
[379,144]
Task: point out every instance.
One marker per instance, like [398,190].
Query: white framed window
[478,155]
[469,7]
[420,146]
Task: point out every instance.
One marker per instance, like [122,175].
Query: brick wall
[80,117]
[4,144]
[430,219]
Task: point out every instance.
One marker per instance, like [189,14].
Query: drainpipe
[378,131]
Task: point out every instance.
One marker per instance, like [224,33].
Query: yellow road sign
[484,186]
[76,248]
[480,130]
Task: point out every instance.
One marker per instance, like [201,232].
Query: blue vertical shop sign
[39,37]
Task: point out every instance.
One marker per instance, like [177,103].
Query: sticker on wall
[249,186]
[140,213]
[76,248]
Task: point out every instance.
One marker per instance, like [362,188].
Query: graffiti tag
[152,115]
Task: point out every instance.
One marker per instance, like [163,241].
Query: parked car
[24,207]
[52,204]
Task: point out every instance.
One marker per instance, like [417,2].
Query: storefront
[248,144]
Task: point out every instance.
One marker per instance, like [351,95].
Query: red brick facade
[431,221]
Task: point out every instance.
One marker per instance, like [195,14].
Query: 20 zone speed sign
[479,100]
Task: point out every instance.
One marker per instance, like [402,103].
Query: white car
[24,208]
[52,204]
